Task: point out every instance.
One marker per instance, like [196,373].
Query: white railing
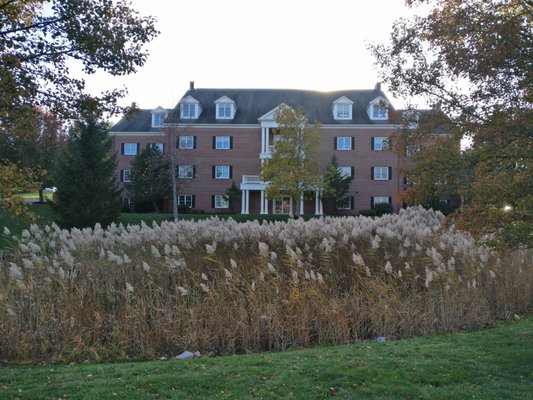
[251,179]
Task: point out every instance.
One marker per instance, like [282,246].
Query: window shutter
[372,173]
[353,142]
[194,171]
[121,175]
[194,142]
[352,173]
[177,171]
[372,202]
[230,172]
[231,142]
[390,200]
[390,173]
[138,149]
[163,147]
[335,143]
[213,201]
[213,170]
[193,202]
[177,142]
[373,143]
[351,203]
[122,149]
[214,142]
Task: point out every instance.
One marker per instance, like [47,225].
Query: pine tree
[150,178]
[336,186]
[87,189]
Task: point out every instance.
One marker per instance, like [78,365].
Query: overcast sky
[307,44]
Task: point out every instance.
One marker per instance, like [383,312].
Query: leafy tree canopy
[474,59]
[40,38]
[295,164]
[150,177]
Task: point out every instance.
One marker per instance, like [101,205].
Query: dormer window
[190,108]
[342,108]
[225,108]
[158,117]
[378,109]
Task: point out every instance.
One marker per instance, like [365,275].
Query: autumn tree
[150,178]
[474,59]
[87,191]
[335,186]
[294,168]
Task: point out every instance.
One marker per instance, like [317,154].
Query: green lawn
[494,363]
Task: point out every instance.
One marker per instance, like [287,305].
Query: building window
[127,202]
[222,172]
[222,142]
[186,171]
[380,200]
[224,110]
[343,111]
[125,175]
[188,110]
[346,171]
[186,142]
[220,201]
[344,143]
[129,149]
[282,205]
[158,146]
[158,119]
[380,143]
[381,173]
[379,111]
[186,200]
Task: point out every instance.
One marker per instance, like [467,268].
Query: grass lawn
[494,363]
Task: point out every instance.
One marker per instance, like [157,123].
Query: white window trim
[222,139]
[185,171]
[190,101]
[344,102]
[380,200]
[348,206]
[282,205]
[158,117]
[344,169]
[383,142]
[343,140]
[186,139]
[128,149]
[185,200]
[380,176]
[159,146]
[221,201]
[222,168]
[378,101]
[224,102]
[128,173]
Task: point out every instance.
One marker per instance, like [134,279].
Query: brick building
[223,135]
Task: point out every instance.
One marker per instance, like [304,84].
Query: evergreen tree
[233,194]
[150,178]
[87,188]
[335,187]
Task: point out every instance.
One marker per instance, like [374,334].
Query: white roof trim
[159,110]
[269,116]
[343,100]
[224,99]
[189,99]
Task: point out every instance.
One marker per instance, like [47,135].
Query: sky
[292,44]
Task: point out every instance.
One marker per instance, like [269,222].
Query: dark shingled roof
[254,103]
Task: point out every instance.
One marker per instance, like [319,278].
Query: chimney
[378,86]
[191,85]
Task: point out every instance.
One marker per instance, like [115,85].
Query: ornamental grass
[222,287]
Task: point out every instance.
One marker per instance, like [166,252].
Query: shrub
[227,287]
[383,208]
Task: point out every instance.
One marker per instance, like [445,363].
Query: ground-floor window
[186,200]
[127,202]
[282,205]
[220,201]
[345,203]
[380,200]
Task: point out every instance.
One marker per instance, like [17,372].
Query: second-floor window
[222,172]
[220,201]
[381,173]
[188,110]
[346,171]
[186,171]
[158,146]
[125,175]
[344,143]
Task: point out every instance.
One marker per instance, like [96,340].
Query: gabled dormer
[342,108]
[190,108]
[158,117]
[225,108]
[378,109]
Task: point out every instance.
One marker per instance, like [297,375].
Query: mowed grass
[493,363]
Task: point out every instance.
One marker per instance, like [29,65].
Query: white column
[317,204]
[267,139]
[301,210]
[320,204]
[263,140]
[243,201]
[247,196]
[262,208]
[290,206]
